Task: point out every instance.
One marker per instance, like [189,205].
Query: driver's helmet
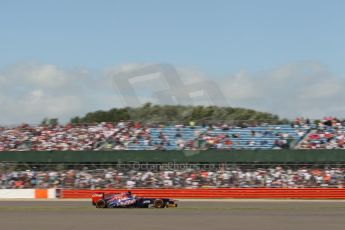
[129,193]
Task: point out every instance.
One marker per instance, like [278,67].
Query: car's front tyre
[158,203]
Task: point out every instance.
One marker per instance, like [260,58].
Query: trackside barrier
[222,193]
[17,193]
[27,193]
[178,156]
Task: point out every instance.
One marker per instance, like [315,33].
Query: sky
[57,58]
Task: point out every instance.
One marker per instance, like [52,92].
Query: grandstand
[127,136]
[198,137]
[140,136]
[325,137]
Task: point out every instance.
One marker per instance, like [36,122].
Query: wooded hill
[177,114]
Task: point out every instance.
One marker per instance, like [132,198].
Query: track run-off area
[200,215]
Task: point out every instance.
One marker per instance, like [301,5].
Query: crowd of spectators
[329,133]
[71,137]
[242,177]
[124,135]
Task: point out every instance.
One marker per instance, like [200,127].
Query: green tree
[150,113]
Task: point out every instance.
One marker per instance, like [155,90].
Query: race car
[127,200]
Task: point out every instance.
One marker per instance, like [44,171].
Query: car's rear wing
[97,196]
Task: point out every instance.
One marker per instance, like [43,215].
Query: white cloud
[30,91]
[300,89]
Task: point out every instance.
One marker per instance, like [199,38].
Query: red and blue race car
[128,200]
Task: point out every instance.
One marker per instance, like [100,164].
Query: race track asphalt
[190,215]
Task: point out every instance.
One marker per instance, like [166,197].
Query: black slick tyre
[158,203]
[101,204]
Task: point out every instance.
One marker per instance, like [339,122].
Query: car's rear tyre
[101,204]
[158,203]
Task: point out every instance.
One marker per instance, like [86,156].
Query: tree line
[149,113]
